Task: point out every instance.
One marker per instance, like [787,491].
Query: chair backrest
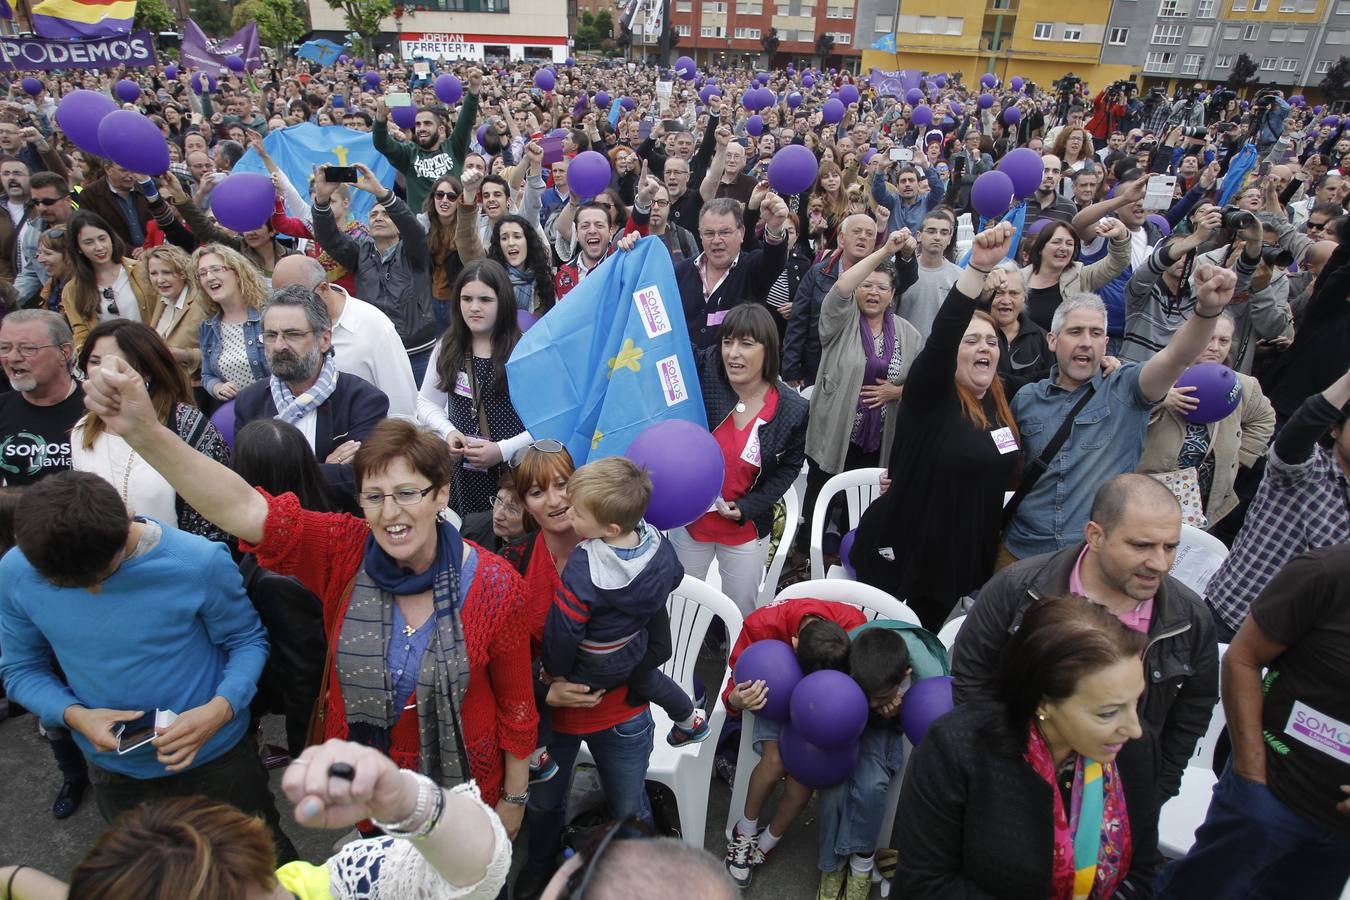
[947,634]
[792,514]
[874,602]
[1204,748]
[1199,556]
[859,487]
[692,607]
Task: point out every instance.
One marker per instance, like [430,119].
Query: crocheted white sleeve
[387,868]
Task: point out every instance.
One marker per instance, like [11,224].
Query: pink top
[1137,619]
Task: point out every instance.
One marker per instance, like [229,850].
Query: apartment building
[731,32]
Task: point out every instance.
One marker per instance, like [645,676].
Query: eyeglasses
[212,270]
[27,351]
[290,335]
[1320,226]
[725,234]
[628,829]
[660,203]
[112,302]
[507,506]
[402,496]
[543,445]
[45,202]
[446,195]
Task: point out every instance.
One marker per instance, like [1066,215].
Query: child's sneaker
[743,854]
[679,735]
[858,887]
[543,769]
[831,885]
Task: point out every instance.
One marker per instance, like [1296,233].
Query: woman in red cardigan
[618,734]
[431,660]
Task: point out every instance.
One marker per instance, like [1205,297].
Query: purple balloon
[988,80]
[448,88]
[754,126]
[848,93]
[750,98]
[197,82]
[234,62]
[359,63]
[628,103]
[808,80]
[1024,167]
[1161,221]
[481,133]
[775,664]
[243,201]
[913,96]
[985,101]
[601,100]
[1036,226]
[127,90]
[708,92]
[1016,83]
[171,72]
[525,320]
[223,419]
[921,115]
[956,108]
[846,542]
[31,86]
[403,116]
[829,709]
[813,766]
[867,156]
[940,81]
[546,79]
[570,62]
[792,169]
[372,79]
[132,141]
[685,464]
[343,59]
[926,701]
[588,174]
[991,194]
[1333,121]
[1012,115]
[79,114]
[794,100]
[1217,389]
[686,68]
[832,111]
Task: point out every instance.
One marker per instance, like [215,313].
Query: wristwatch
[516,799]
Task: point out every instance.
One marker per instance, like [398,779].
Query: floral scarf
[1092,840]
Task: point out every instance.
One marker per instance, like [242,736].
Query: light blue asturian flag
[611,359]
[1017,215]
[886,43]
[1239,167]
[299,148]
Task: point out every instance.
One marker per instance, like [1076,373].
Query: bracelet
[419,808]
[1200,315]
[516,799]
[9,884]
[978,269]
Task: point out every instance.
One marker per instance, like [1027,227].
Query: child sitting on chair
[816,629]
[614,587]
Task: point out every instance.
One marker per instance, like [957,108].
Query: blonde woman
[230,292]
[168,270]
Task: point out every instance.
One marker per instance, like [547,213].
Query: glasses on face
[724,234]
[510,507]
[446,195]
[543,445]
[210,271]
[1316,226]
[290,335]
[112,301]
[404,496]
[660,203]
[27,351]
[46,202]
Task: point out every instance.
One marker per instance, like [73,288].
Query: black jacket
[746,281]
[782,440]
[1181,663]
[976,822]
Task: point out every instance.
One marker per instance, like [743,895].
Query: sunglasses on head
[543,445]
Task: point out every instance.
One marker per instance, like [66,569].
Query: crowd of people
[280,471]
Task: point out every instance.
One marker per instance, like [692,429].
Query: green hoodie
[420,167]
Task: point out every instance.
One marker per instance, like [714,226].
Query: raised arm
[1214,291]
[1085,222]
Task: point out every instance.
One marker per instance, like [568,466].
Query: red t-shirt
[740,453]
[780,621]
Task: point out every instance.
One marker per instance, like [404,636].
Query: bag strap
[1041,464]
[315,732]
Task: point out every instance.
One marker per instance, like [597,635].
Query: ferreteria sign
[22,53]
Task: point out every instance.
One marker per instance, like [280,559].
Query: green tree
[213,16]
[1244,71]
[363,17]
[587,36]
[1336,85]
[154,15]
[604,24]
[279,21]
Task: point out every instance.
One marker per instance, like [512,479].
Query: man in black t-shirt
[1279,820]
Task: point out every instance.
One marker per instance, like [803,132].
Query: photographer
[1154,112]
[1189,110]
[1272,110]
[1108,111]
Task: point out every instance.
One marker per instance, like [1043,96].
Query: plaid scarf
[1092,840]
[443,675]
[290,408]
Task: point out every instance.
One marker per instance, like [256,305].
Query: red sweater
[780,622]
[542,584]
[325,550]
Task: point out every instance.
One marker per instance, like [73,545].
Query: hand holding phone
[340,174]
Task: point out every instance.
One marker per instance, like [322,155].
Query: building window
[1158,61]
[1002,4]
[1268,62]
[838,12]
[683,30]
[1343,8]
[1335,37]
[956,24]
[1169,35]
[714,7]
[1223,62]
[747,34]
[843,38]
[1044,31]
[885,24]
[1190,64]
[1167,9]
[1232,32]
[1200,36]
[684,6]
[1239,5]
[1204,9]
[1288,65]
[1278,35]
[708,31]
[1120,36]
[1286,5]
[750,8]
[928,25]
[1322,67]
[1072,33]
[1260,5]
[1298,35]
[1307,6]
[1251,32]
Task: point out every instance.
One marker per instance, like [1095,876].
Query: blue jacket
[596,631]
[208,336]
[1272,124]
[907,215]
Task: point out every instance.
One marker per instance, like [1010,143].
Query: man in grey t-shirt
[919,304]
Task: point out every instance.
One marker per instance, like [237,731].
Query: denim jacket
[210,340]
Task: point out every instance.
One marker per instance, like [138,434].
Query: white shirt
[16,211]
[308,425]
[144,490]
[366,344]
[433,405]
[124,295]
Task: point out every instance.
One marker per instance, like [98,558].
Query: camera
[1265,99]
[1276,257]
[1068,83]
[1222,98]
[1235,219]
[1123,86]
[1195,131]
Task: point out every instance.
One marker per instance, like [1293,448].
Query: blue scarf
[390,576]
[523,284]
[290,408]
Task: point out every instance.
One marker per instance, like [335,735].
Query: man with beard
[14,179]
[333,410]
[430,155]
[1047,202]
[594,228]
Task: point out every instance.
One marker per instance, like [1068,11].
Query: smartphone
[1159,192]
[672,125]
[1265,169]
[553,151]
[902,154]
[340,175]
[397,98]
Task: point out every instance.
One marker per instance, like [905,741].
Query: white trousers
[741,565]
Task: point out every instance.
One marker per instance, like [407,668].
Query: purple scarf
[868,431]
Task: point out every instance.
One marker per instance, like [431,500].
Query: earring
[1040,716]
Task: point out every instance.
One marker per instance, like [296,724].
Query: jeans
[236,777]
[419,361]
[621,755]
[851,813]
[741,566]
[69,759]
[1253,846]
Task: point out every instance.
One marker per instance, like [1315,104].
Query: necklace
[740,404]
[409,631]
[126,472]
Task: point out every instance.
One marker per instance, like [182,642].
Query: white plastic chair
[948,632]
[792,518]
[859,487]
[1184,813]
[1199,556]
[687,770]
[874,602]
